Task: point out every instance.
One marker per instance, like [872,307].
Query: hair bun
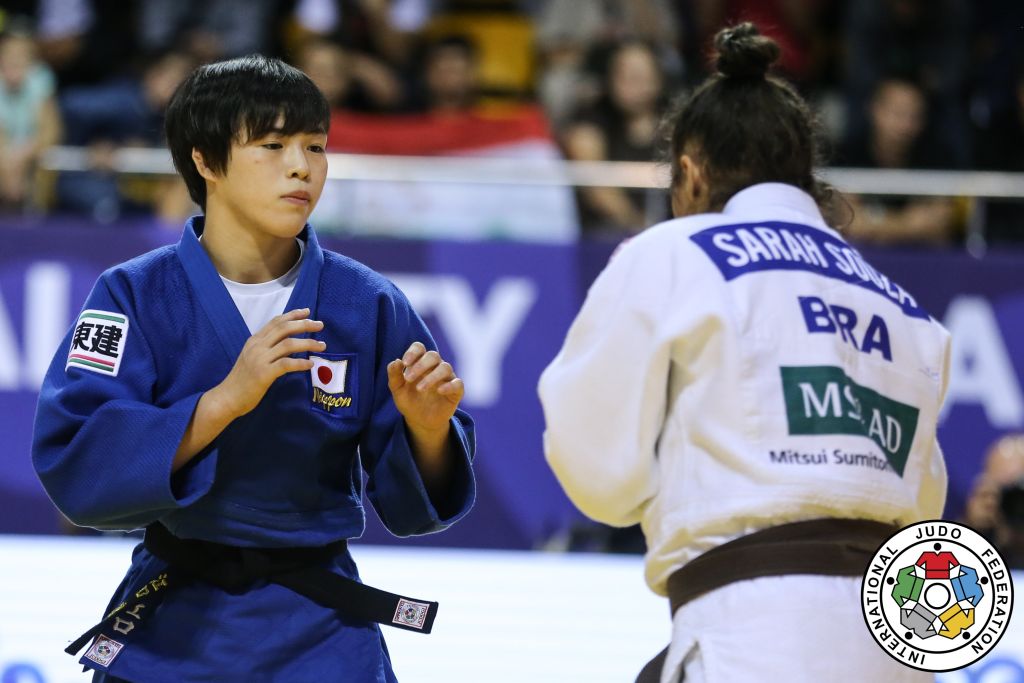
[744,53]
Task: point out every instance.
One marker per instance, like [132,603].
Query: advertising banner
[499,311]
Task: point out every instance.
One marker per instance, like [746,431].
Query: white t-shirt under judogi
[259,303]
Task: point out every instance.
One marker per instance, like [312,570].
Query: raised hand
[426,393]
[266,356]
[425,388]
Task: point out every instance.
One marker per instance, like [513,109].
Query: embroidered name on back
[737,250]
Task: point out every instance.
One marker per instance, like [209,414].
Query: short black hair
[220,103]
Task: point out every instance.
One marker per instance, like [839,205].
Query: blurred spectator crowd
[995,507]
[898,84]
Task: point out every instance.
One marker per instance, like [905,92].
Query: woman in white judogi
[741,368]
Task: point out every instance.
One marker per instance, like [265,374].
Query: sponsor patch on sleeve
[98,342]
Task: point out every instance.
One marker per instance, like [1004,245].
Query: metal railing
[554,172]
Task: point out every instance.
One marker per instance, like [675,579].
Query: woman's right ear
[690,195]
[204,170]
[695,185]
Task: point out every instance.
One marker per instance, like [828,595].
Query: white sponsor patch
[98,342]
[104,650]
[411,613]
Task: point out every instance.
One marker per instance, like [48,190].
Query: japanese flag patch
[98,342]
[333,378]
[104,650]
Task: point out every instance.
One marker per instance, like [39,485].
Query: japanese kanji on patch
[98,342]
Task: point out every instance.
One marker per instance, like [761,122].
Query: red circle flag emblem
[329,376]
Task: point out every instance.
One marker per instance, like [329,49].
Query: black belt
[235,569]
[823,547]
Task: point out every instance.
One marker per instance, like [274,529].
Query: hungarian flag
[329,375]
[444,210]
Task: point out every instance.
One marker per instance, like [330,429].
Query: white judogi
[730,372]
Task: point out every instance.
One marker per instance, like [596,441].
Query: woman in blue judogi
[227,392]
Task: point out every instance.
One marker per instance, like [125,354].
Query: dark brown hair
[745,126]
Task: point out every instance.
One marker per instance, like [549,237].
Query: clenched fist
[425,388]
[426,393]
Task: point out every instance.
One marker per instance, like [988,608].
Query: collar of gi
[214,298]
[776,201]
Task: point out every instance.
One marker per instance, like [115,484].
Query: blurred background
[488,155]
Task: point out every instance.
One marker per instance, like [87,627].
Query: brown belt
[827,547]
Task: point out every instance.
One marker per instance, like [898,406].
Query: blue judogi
[112,414]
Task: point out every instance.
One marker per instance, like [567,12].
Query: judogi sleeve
[101,448]
[604,395]
[931,499]
[394,485]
